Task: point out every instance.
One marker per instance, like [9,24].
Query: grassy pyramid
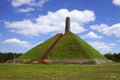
[69,47]
[37,51]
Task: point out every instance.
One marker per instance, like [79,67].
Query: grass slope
[60,72]
[71,46]
[39,50]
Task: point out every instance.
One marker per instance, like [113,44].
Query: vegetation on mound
[10,56]
[70,46]
[38,51]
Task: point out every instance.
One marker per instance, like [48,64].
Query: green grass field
[60,72]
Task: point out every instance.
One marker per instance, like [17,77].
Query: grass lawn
[59,72]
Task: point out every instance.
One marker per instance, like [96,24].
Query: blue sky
[26,23]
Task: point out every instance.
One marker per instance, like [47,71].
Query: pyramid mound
[39,50]
[64,48]
[69,47]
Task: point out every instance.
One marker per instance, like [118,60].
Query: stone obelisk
[67,25]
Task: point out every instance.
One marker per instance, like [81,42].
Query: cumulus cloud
[17,42]
[11,50]
[32,3]
[52,22]
[116,2]
[102,46]
[24,10]
[107,30]
[40,3]
[17,3]
[92,35]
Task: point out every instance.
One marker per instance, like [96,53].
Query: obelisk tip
[67,25]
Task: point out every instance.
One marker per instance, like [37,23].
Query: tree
[8,56]
[114,57]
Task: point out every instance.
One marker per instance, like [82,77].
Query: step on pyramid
[67,48]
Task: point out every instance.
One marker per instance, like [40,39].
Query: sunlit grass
[59,72]
[70,47]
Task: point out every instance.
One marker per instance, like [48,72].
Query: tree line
[10,56]
[113,56]
[5,56]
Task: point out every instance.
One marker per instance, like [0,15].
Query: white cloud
[12,50]
[52,22]
[17,3]
[24,10]
[17,42]
[116,2]
[102,46]
[41,2]
[92,35]
[108,30]
[32,3]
